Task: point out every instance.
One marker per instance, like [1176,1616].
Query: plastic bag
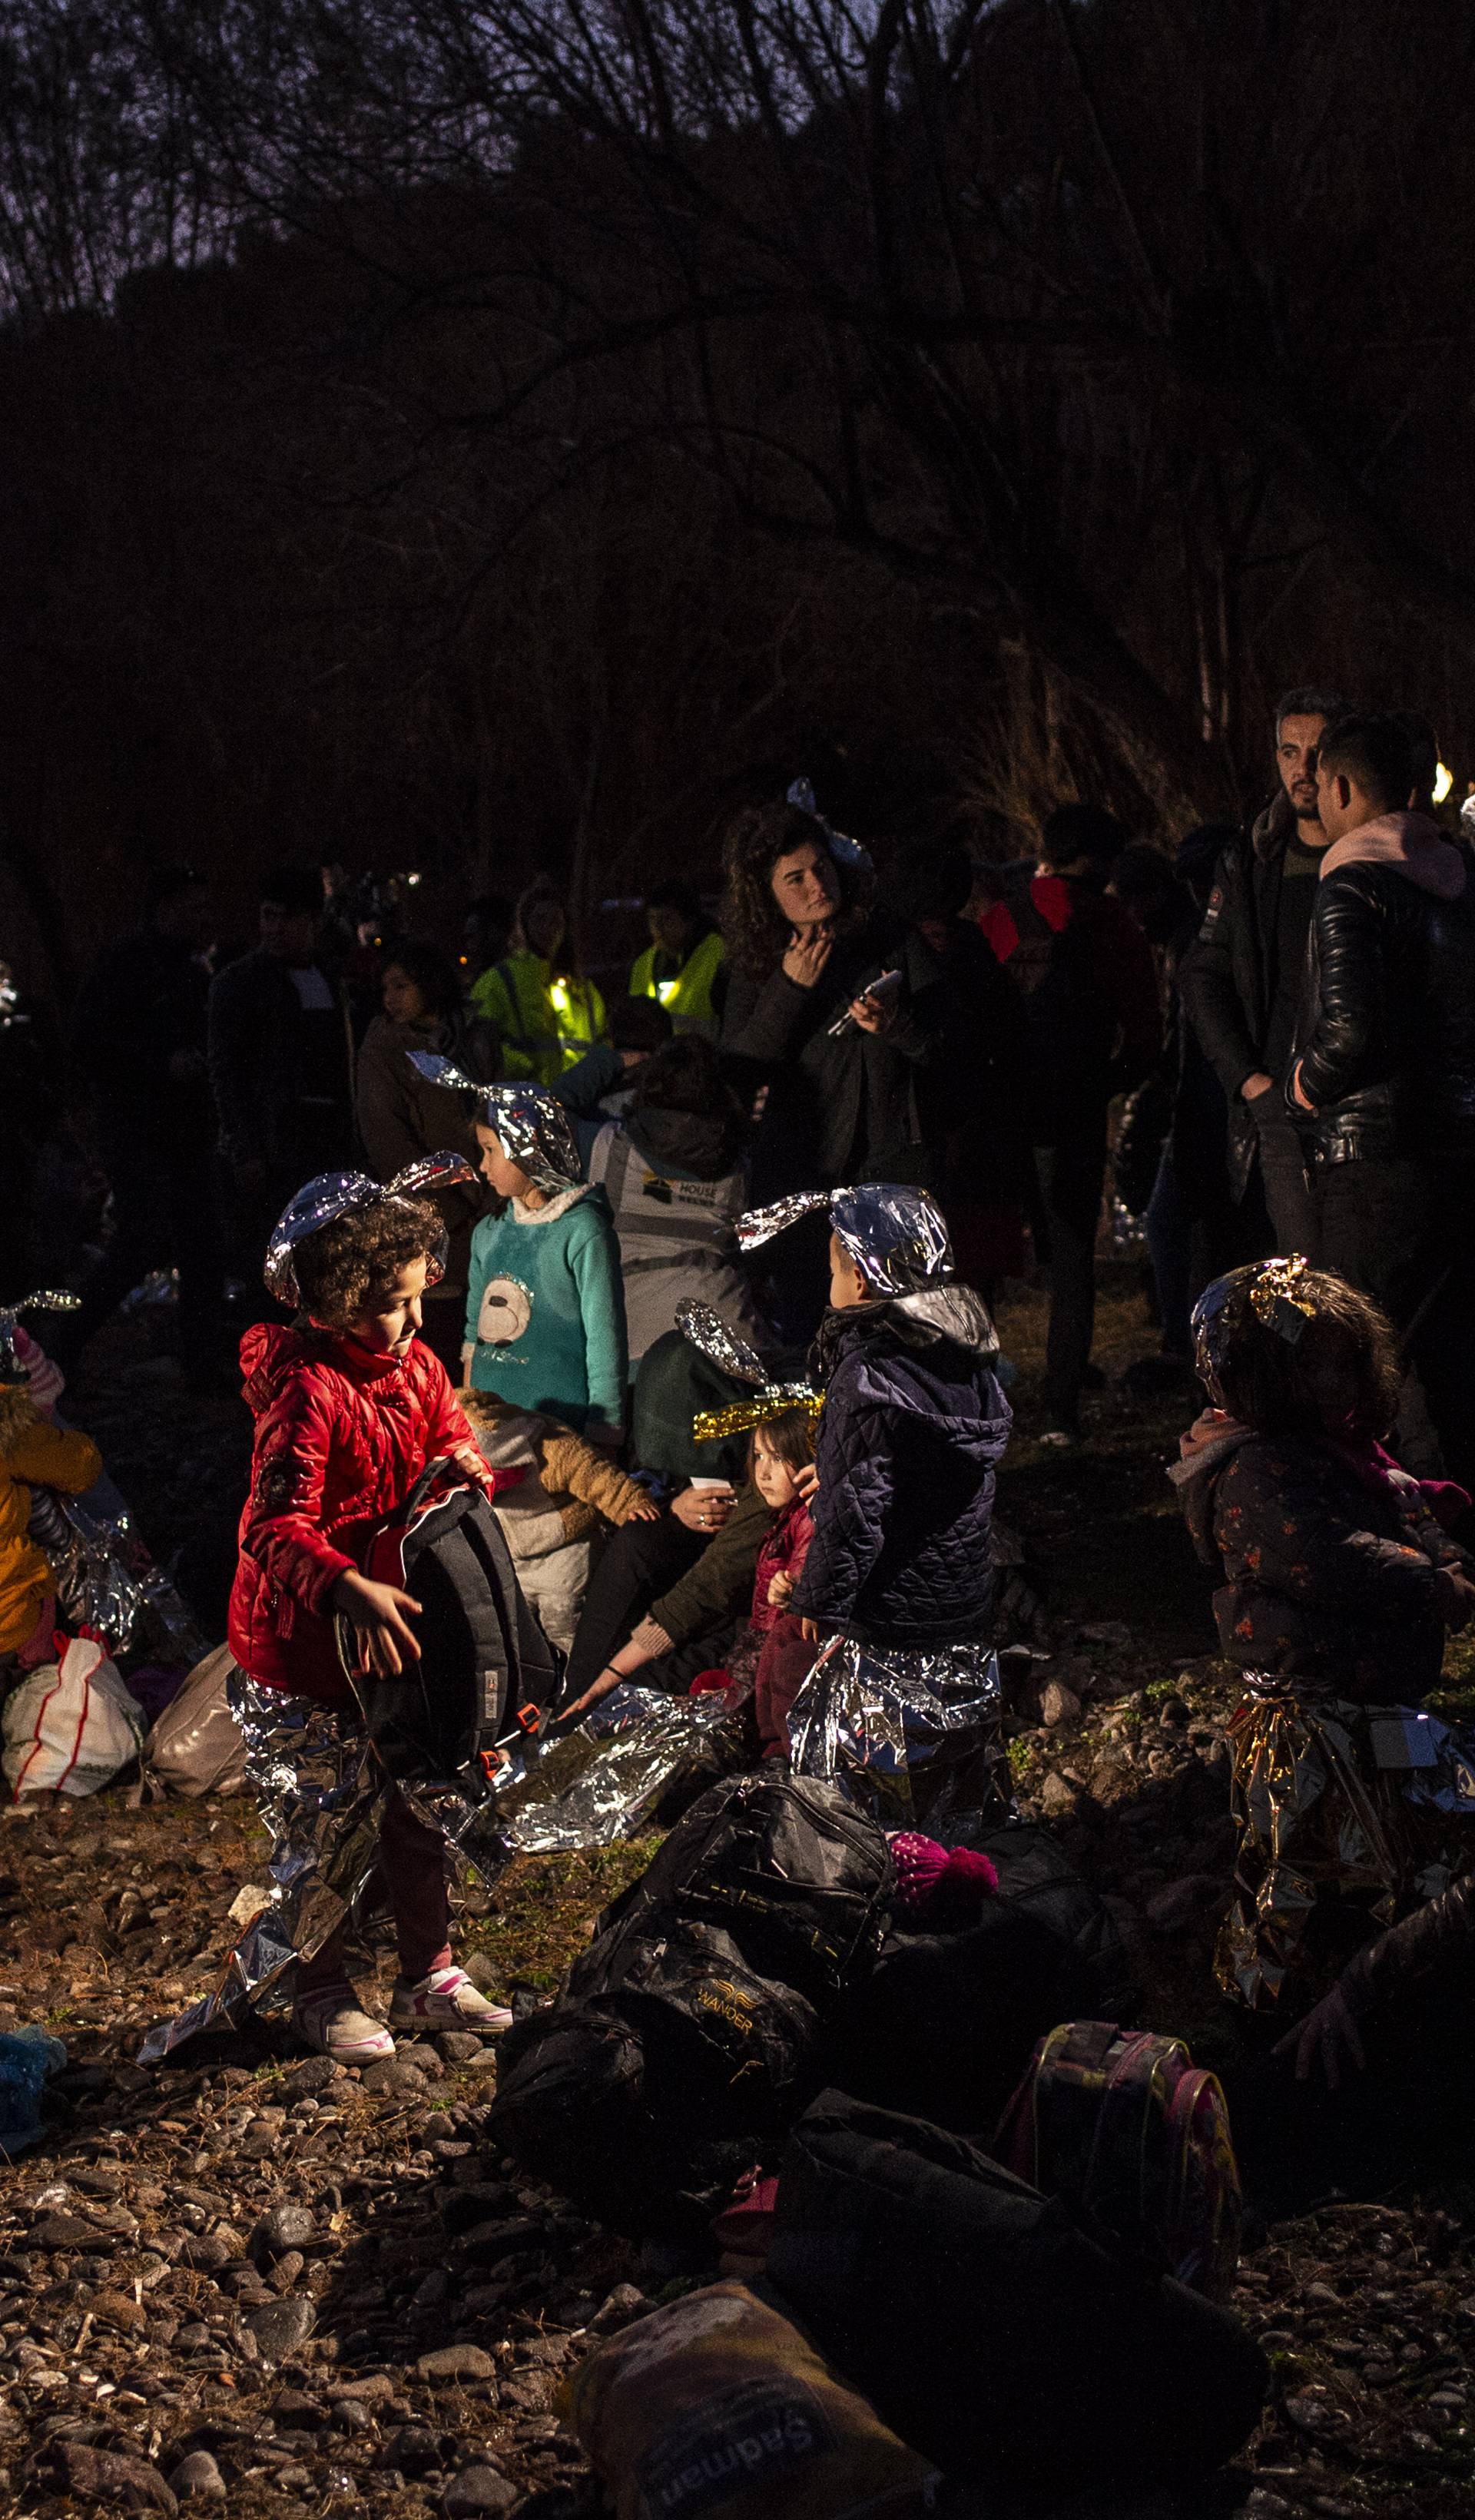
[70,1725]
[27,2060]
[195,1746]
[106,1578]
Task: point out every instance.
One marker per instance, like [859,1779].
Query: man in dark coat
[1241,981]
[280,1063]
[139,1031]
[1382,1078]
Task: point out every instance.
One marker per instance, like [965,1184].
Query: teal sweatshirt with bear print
[545,1324]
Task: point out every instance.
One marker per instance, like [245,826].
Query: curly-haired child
[1335,1563]
[351,1406]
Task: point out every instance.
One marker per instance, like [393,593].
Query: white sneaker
[332,2020]
[446,1999]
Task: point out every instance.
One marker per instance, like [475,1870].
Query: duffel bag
[799,1877]
[946,2022]
[986,2327]
[1135,2137]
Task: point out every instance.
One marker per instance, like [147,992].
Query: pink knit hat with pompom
[929,1875]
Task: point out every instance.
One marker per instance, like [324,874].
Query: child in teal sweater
[545,1325]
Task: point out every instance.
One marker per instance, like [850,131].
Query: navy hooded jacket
[913,1426]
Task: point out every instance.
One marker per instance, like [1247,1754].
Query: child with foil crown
[351,1406]
[544,1326]
[1335,1565]
[1338,1580]
[904,1702]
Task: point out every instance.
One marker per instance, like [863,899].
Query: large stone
[458,2047]
[69,2232]
[478,2489]
[197,2479]
[1059,1705]
[305,2081]
[450,2362]
[1057,1797]
[118,2310]
[280,2328]
[619,2307]
[286,2226]
[411,2449]
[111,2476]
[393,2077]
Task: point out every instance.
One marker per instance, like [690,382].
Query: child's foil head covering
[1273,1292]
[730,1352]
[896,1237]
[46,1299]
[329,1196]
[531,1123]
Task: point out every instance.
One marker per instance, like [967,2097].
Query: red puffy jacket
[342,1434]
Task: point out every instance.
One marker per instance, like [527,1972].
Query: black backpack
[988,2328]
[799,1877]
[646,2102]
[486,1670]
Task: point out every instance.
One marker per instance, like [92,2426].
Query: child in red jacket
[349,1408]
[784,1450]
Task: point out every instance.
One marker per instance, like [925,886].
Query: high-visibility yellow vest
[546,1020]
[687,998]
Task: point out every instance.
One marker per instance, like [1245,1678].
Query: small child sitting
[773,1646]
[1336,1566]
[784,1449]
[899,1571]
[550,1519]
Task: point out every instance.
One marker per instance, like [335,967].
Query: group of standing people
[1331,986]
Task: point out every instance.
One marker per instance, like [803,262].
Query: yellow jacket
[687,998]
[32,1454]
[546,1020]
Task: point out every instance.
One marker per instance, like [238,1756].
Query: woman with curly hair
[803,1018]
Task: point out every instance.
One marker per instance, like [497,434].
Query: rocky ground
[254,2278]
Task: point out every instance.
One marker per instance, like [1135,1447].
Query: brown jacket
[566,1484]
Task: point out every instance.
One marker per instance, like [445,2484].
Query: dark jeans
[1288,1191]
[1401,1232]
[412,1869]
[642,1561]
[1067,1211]
[164,1216]
[1192,1244]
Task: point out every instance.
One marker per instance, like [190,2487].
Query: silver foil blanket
[106,1578]
[1333,1801]
[913,1734]
[603,1782]
[322,1794]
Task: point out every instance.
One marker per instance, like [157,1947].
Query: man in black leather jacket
[1241,980]
[1382,1077]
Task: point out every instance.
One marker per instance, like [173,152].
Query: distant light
[412,878]
[1443,783]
